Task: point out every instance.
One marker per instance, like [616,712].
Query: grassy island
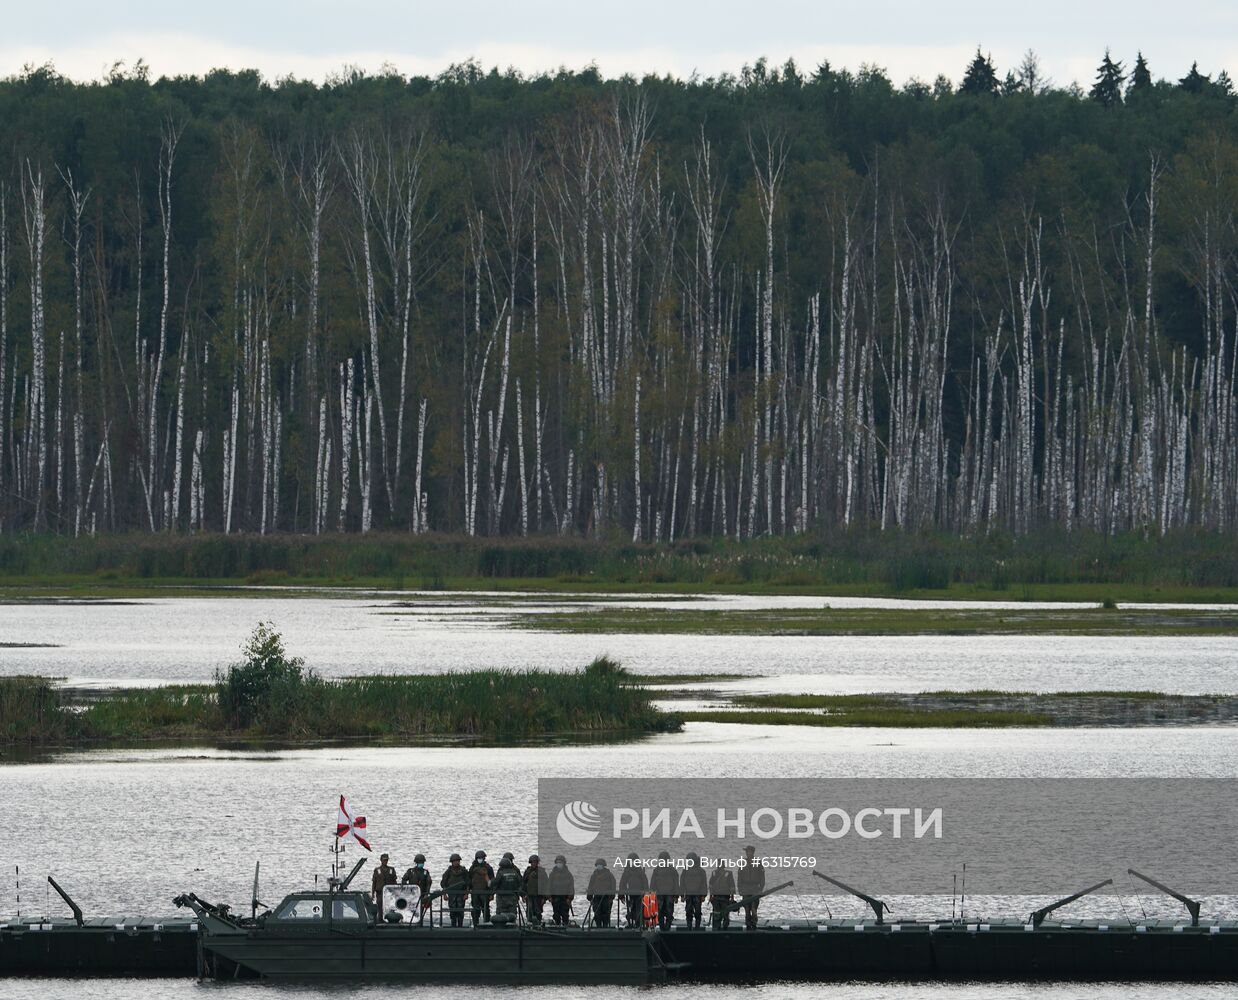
[271,696]
[886,621]
[976,709]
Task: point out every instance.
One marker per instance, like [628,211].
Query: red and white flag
[348,825]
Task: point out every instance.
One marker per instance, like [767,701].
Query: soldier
[633,884]
[693,888]
[601,892]
[721,895]
[418,876]
[505,888]
[750,882]
[456,881]
[384,875]
[536,888]
[562,889]
[480,875]
[665,885]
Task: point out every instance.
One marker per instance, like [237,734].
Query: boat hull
[484,955]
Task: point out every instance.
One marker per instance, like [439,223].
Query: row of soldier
[648,899]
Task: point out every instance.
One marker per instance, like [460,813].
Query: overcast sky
[312,38]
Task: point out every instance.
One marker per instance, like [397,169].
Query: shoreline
[1045,565]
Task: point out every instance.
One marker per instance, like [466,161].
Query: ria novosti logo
[578,823]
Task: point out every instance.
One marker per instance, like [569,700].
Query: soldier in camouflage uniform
[633,884]
[480,874]
[693,887]
[751,881]
[418,876]
[505,887]
[721,896]
[562,889]
[601,892]
[384,875]
[456,881]
[664,883]
[536,889]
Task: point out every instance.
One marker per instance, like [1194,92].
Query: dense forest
[773,303]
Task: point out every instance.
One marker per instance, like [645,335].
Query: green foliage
[863,559]
[1107,90]
[31,712]
[981,76]
[604,666]
[1026,148]
[267,688]
[1141,76]
[269,695]
[1194,82]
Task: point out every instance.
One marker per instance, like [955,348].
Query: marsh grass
[877,717]
[1029,620]
[490,704]
[31,711]
[858,701]
[982,708]
[1045,565]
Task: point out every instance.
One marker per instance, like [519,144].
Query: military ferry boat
[337,933]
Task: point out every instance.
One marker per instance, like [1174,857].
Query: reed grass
[857,701]
[1050,564]
[486,704]
[878,718]
[31,711]
[1030,620]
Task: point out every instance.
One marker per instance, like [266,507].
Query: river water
[183,639]
[125,831]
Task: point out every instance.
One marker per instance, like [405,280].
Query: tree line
[760,304]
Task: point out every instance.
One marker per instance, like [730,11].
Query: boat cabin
[302,909]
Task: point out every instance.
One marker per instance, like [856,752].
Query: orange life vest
[649,908]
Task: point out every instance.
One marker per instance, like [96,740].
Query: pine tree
[1032,79]
[1141,77]
[981,76]
[1195,81]
[1107,89]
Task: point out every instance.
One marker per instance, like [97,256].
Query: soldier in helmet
[480,874]
[562,889]
[693,888]
[536,889]
[455,880]
[633,884]
[721,895]
[418,876]
[384,875]
[505,887]
[664,883]
[749,882]
[601,892]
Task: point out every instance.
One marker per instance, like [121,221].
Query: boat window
[301,909]
[345,909]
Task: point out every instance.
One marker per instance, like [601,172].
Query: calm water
[186,639]
[125,831]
